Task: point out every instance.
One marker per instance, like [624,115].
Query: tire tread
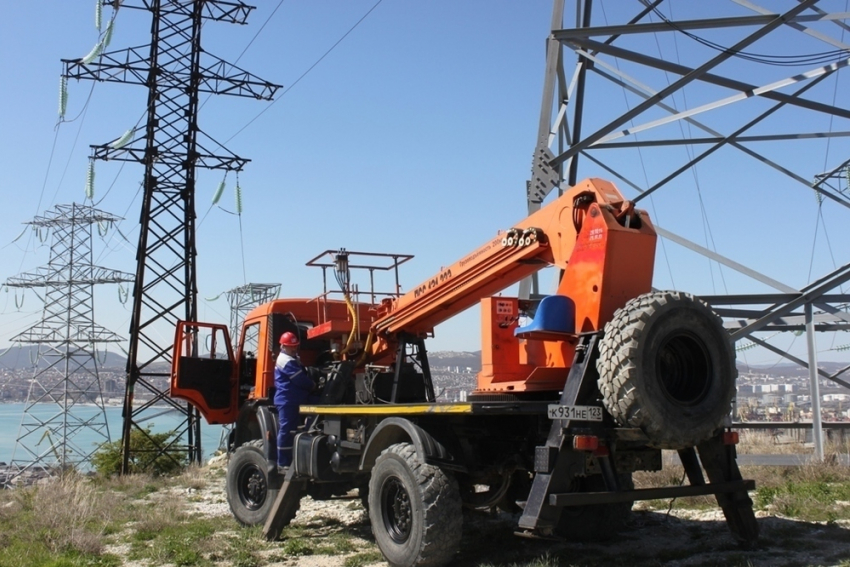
[619,374]
[441,503]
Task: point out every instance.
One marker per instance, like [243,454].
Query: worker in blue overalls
[293,387]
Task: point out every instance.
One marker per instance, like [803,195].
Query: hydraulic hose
[366,348]
[354,327]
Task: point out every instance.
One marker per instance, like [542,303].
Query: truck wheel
[667,366]
[414,509]
[595,523]
[250,490]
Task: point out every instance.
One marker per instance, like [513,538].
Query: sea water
[11,414]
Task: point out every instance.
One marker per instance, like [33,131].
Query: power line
[259,31]
[305,73]
[766,59]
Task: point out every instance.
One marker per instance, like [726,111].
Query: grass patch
[192,478]
[69,521]
[336,544]
[321,535]
[297,547]
[239,549]
[763,442]
[306,542]
[132,485]
[362,559]
[181,542]
[671,475]
[64,522]
[543,561]
[814,493]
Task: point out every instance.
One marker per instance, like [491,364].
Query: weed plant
[65,521]
[815,492]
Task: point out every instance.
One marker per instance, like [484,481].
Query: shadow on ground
[651,538]
[655,538]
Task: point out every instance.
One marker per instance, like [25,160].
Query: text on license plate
[578,413]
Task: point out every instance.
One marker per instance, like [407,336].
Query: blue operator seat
[556,315]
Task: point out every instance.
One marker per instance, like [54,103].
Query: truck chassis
[577,487]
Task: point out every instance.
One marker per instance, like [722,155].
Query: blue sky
[414,135]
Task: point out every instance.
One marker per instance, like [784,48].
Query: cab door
[204,372]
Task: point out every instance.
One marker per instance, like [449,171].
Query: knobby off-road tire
[600,522]
[414,509]
[667,366]
[250,490]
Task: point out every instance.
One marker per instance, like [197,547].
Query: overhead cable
[305,73]
[766,59]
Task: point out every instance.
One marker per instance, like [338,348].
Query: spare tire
[667,366]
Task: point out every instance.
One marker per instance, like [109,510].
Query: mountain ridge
[16,358]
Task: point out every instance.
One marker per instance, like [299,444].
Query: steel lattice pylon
[66,369]
[166,289]
[613,62]
[244,298]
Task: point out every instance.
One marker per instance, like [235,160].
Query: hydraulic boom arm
[605,248]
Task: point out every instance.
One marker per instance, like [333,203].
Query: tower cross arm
[59,333]
[222,77]
[217,10]
[136,154]
[131,65]
[46,276]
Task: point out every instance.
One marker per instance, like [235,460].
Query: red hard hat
[289,340]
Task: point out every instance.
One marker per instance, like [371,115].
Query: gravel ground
[682,537]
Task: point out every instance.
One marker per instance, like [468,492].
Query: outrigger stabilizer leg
[720,464]
[285,505]
[556,464]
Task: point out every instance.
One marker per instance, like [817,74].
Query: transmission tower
[244,298]
[66,373]
[165,289]
[624,61]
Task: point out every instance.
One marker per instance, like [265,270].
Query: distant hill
[23,357]
[789,370]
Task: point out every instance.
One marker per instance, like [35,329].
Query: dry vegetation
[143,521]
[785,442]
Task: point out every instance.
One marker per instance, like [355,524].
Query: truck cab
[221,379]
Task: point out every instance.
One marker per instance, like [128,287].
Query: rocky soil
[680,537]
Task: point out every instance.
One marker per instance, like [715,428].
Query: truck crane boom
[605,249]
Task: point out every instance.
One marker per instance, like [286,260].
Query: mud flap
[719,462]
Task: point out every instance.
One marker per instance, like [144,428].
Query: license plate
[577,413]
